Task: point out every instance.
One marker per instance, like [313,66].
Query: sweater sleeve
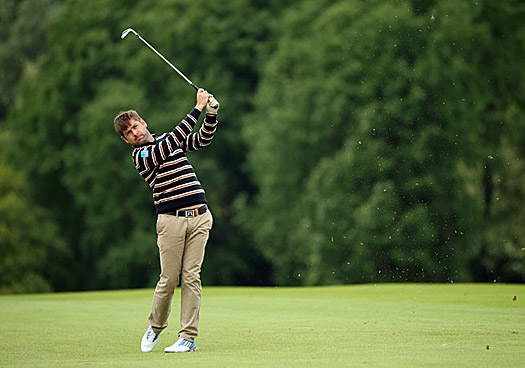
[202,137]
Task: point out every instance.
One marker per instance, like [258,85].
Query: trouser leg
[171,232]
[197,235]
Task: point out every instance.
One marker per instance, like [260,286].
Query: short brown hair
[122,120]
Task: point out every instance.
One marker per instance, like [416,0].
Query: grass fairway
[390,325]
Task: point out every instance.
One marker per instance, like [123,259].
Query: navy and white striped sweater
[166,169]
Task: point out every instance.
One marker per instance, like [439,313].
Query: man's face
[137,133]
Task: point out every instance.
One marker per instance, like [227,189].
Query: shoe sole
[189,351]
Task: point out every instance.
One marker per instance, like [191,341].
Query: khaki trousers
[181,242]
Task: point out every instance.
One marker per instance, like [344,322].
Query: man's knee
[167,283]
[191,277]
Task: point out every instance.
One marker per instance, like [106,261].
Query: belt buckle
[189,213]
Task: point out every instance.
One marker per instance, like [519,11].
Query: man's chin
[141,140]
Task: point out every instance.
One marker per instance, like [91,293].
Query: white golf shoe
[181,346]
[149,340]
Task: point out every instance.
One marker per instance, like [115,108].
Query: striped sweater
[166,169]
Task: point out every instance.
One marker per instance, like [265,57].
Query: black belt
[188,213]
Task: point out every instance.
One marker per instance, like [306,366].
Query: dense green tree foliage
[501,144]
[371,126]
[360,141]
[83,172]
[33,252]
[33,255]
[23,25]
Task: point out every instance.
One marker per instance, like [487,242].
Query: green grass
[391,325]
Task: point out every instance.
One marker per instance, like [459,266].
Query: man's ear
[144,122]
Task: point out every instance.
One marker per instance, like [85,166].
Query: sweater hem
[177,205]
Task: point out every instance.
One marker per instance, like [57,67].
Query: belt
[188,213]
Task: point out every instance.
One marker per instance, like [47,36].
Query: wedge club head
[127,31]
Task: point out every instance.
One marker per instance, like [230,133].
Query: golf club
[131,30]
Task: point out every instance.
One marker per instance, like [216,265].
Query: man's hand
[212,107]
[202,99]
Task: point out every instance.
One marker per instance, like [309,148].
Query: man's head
[132,128]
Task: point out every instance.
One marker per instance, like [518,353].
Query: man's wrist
[211,119]
[200,107]
[195,113]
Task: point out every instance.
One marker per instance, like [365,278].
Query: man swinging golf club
[183,218]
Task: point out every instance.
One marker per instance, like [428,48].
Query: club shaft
[168,62]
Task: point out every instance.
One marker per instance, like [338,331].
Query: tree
[359,141]
[359,157]
[23,27]
[31,245]
[82,172]
[499,166]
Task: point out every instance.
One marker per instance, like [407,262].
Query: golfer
[183,217]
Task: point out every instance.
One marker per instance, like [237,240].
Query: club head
[125,33]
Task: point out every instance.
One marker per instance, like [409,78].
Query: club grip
[194,86]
